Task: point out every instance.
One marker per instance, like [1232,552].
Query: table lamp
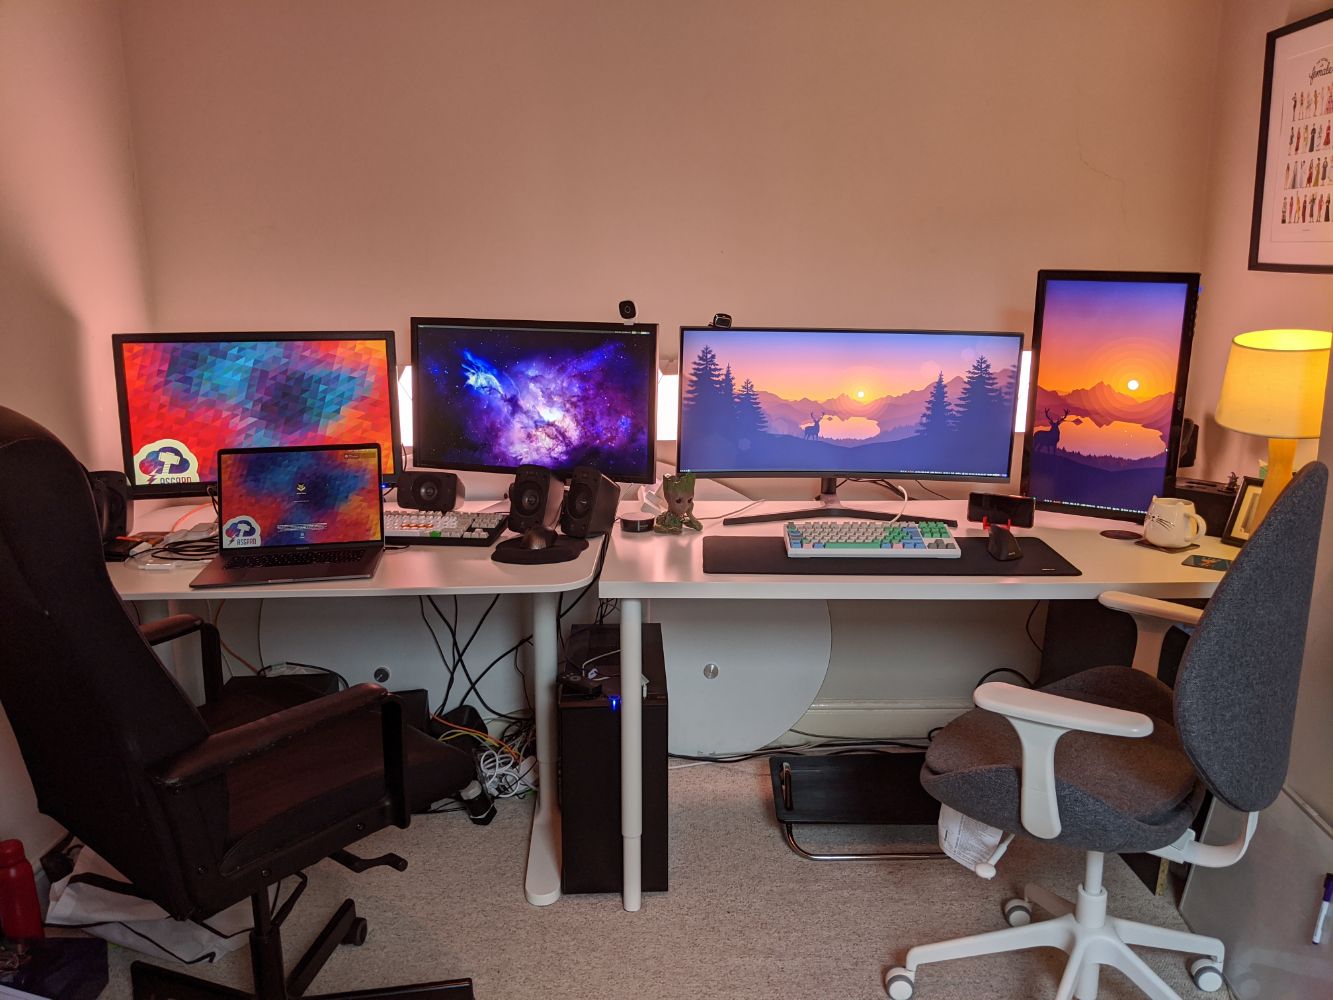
[1274,387]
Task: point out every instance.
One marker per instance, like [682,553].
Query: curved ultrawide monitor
[491,395]
[910,404]
[185,396]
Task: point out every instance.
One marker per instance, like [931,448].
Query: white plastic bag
[96,898]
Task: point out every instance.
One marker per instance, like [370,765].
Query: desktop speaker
[534,499]
[590,504]
[1212,501]
[115,509]
[441,491]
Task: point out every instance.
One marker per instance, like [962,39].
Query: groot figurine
[678,491]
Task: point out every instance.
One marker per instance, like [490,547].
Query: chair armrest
[166,629]
[210,646]
[222,750]
[1151,607]
[1040,719]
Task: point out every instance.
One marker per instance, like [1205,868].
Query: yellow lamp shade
[1274,383]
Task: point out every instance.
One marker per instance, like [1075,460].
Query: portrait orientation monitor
[491,395]
[1108,389]
[185,396]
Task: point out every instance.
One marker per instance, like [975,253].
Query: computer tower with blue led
[588,719]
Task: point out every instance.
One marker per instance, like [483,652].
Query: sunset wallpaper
[829,402]
[1105,387]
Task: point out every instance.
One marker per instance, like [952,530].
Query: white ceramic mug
[1172,523]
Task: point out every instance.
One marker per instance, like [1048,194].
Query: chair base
[152,982]
[1085,933]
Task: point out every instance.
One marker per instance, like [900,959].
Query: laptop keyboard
[304,558]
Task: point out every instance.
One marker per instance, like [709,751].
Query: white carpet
[744,918]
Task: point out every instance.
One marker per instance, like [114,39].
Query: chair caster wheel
[1206,974]
[1017,912]
[356,933]
[899,984]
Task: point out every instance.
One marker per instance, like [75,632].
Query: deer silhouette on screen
[1049,439]
[812,429]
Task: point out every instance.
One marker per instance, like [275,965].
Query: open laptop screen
[299,496]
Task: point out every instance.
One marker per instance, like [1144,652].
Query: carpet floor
[744,918]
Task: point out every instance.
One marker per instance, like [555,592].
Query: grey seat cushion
[1114,794]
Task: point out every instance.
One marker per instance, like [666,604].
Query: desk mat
[766,555]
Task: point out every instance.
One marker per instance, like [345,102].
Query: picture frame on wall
[1244,519]
[1292,224]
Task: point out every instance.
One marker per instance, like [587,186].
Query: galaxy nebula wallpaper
[497,397]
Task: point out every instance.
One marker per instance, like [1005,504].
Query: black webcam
[627,310]
[721,321]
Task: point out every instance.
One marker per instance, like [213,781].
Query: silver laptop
[288,515]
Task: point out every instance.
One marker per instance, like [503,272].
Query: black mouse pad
[765,554]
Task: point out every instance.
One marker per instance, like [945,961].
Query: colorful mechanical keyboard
[432,527]
[877,539]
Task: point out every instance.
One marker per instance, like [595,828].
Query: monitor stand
[831,506]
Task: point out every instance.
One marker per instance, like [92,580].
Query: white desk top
[671,566]
[418,569]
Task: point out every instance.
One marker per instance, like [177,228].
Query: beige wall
[70,257]
[350,163]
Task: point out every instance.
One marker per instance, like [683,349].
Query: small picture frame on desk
[1242,522]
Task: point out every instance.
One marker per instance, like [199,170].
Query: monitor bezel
[146,491]
[853,474]
[648,474]
[1191,280]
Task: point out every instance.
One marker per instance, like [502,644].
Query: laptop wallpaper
[823,401]
[503,398]
[300,497]
[1106,382]
[188,400]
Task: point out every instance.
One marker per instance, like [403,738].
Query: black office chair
[1130,774]
[197,816]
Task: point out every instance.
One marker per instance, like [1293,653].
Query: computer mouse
[538,538]
[1002,544]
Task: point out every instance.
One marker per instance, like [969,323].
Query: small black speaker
[1189,444]
[115,509]
[430,490]
[590,504]
[534,499]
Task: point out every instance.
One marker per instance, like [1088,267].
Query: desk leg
[631,750]
[543,880]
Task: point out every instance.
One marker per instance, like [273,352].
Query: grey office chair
[1131,773]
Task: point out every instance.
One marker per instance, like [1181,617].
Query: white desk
[426,569]
[653,566]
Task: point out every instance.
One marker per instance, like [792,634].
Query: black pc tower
[588,774]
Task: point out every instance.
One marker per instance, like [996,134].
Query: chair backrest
[91,705]
[1236,691]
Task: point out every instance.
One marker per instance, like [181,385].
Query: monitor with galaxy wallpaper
[908,404]
[185,396]
[491,395]
[1108,395]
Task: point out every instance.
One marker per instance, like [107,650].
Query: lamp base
[1281,458]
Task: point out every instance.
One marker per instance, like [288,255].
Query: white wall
[349,163]
[70,255]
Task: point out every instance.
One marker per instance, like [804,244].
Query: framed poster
[1292,227]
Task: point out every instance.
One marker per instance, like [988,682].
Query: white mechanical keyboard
[433,527]
[875,539]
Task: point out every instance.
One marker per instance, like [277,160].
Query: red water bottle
[20,913]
